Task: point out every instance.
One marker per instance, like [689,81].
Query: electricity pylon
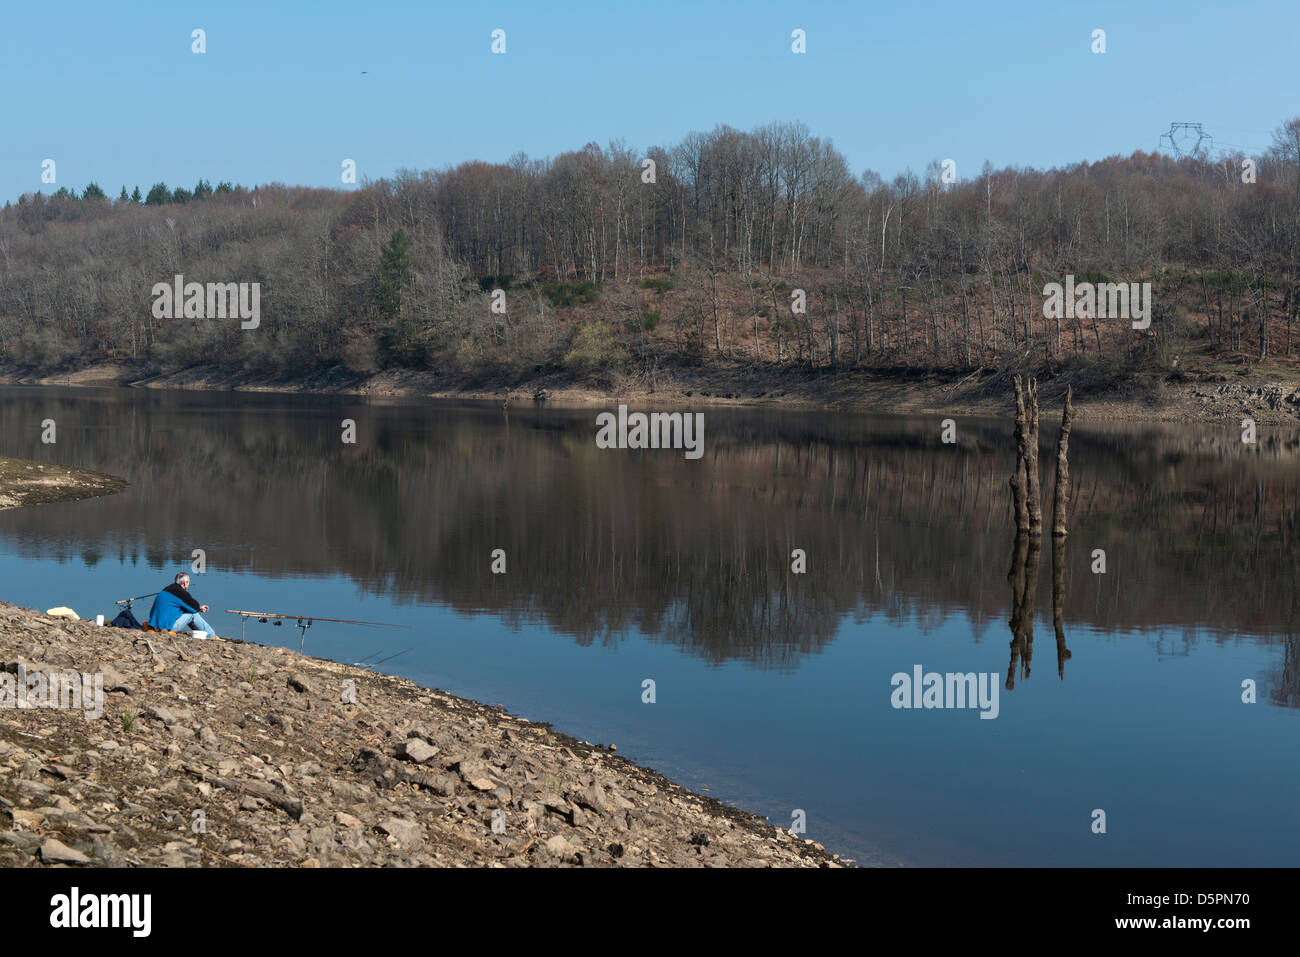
[1180,134]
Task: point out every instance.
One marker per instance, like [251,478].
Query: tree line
[613,259]
[33,205]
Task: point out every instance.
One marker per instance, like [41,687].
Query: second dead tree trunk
[1061,496]
[1060,508]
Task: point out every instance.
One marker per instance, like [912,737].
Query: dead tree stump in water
[1061,497]
[1026,500]
[1026,493]
[1019,487]
[1034,495]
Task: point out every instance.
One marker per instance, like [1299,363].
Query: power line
[1240,129]
[1244,148]
[1192,139]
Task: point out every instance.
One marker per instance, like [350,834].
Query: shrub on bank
[595,349]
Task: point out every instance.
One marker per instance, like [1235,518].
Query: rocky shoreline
[231,754]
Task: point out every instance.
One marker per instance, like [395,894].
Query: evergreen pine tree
[394,273]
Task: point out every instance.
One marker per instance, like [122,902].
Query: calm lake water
[773,689]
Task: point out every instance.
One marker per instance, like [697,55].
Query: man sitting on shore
[175,609]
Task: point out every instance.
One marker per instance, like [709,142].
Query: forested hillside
[614,267]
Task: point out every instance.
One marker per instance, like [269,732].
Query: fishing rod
[264,615]
[303,621]
[127,601]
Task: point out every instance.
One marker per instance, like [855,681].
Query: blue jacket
[166,609]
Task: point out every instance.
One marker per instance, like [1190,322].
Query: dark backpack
[125,620]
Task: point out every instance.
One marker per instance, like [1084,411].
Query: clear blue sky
[113,94]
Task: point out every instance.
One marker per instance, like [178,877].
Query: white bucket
[99,620]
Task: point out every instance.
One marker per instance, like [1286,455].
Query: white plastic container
[99,620]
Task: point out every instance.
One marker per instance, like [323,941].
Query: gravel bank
[223,753]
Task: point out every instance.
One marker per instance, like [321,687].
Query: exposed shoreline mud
[35,483]
[231,754]
[1208,399]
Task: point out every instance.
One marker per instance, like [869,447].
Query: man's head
[183,580]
